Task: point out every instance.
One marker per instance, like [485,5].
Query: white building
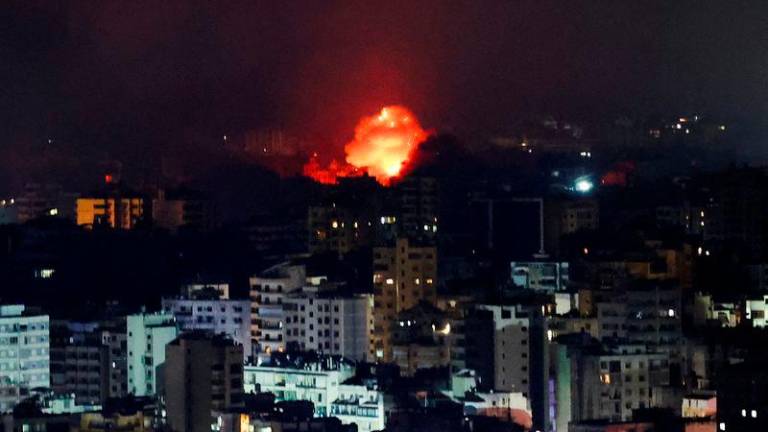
[268,291]
[756,311]
[331,324]
[148,334]
[540,275]
[322,384]
[24,354]
[220,316]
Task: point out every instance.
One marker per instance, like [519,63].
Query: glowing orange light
[383,145]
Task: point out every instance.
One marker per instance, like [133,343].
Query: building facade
[219,316]
[114,212]
[403,275]
[268,290]
[24,354]
[148,334]
[331,324]
[204,374]
[321,383]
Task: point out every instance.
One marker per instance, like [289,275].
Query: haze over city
[401,216]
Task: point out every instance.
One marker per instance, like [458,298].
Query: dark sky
[131,80]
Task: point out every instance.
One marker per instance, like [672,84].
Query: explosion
[382,147]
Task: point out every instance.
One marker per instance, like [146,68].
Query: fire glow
[383,145]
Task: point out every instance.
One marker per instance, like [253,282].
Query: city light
[583,185]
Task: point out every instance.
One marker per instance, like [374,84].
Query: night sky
[136,80]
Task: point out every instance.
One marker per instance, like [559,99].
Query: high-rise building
[219,316]
[79,361]
[610,385]
[148,334]
[330,323]
[403,275]
[268,290]
[506,345]
[419,205]
[25,361]
[114,336]
[204,374]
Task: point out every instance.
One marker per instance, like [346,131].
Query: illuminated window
[390,281]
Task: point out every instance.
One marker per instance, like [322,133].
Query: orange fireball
[382,146]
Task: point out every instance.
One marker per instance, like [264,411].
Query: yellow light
[446,330]
[245,422]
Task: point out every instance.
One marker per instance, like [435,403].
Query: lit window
[390,281]
[754,413]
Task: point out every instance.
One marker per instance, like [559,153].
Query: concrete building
[176,209]
[24,354]
[268,290]
[403,275]
[330,323]
[506,346]
[756,311]
[548,276]
[334,228]
[219,316]
[421,339]
[79,362]
[322,383]
[610,385]
[643,312]
[498,347]
[148,334]
[114,335]
[122,212]
[44,199]
[418,207]
[204,374]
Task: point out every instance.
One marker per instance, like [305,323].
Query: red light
[108,178]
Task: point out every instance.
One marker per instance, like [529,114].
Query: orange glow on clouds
[383,145]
